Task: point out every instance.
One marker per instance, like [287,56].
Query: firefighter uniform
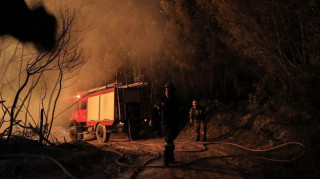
[171,116]
[197,116]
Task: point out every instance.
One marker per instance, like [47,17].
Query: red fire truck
[111,108]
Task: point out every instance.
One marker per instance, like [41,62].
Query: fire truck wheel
[102,134]
[74,134]
[75,131]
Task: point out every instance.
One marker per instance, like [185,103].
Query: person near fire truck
[172,114]
[197,116]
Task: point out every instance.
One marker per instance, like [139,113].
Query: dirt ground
[122,158]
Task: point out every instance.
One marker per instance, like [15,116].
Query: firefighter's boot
[165,158]
[171,153]
[168,154]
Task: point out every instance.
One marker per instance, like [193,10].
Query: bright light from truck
[78,96]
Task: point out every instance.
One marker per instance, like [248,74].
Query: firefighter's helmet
[170,86]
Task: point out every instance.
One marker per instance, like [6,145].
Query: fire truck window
[76,106]
[83,105]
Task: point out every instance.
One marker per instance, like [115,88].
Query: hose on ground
[157,155]
[139,169]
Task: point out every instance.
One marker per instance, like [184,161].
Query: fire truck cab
[111,108]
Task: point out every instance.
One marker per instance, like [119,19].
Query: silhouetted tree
[35,71]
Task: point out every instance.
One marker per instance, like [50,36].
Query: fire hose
[158,156]
[145,165]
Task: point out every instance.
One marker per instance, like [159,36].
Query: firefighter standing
[171,111]
[197,116]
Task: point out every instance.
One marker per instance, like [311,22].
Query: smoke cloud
[113,33]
